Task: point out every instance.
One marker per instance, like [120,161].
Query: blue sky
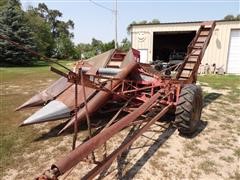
[93,21]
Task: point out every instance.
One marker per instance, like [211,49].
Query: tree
[49,16]
[52,17]
[64,47]
[59,29]
[87,51]
[3,3]
[142,22]
[107,46]
[231,17]
[13,25]
[130,26]
[42,10]
[96,47]
[155,21]
[97,44]
[126,45]
[41,32]
[238,17]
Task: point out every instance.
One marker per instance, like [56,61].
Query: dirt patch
[161,153]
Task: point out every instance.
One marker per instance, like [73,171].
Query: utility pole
[116,44]
[114,11]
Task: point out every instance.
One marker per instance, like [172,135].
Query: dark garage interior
[166,44]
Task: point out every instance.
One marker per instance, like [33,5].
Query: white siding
[218,48]
[233,65]
[217,51]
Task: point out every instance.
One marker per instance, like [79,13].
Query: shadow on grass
[122,162]
[36,64]
[210,97]
[53,132]
[157,143]
[96,124]
[201,126]
[162,138]
[39,63]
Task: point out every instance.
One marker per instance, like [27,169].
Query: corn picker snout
[114,77]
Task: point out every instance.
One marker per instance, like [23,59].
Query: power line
[100,5]
[114,11]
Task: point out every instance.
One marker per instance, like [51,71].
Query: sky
[92,21]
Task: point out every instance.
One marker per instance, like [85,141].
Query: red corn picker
[119,78]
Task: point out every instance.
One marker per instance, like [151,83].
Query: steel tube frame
[108,161]
[83,150]
[101,97]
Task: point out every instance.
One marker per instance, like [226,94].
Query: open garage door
[171,45]
[234,53]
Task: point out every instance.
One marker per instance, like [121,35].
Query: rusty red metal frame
[108,160]
[83,150]
[152,94]
[158,91]
[141,97]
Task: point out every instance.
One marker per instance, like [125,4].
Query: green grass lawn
[221,81]
[17,85]
[19,73]
[20,83]
[227,82]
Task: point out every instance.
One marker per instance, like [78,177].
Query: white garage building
[157,41]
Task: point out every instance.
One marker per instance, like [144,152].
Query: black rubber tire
[189,109]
